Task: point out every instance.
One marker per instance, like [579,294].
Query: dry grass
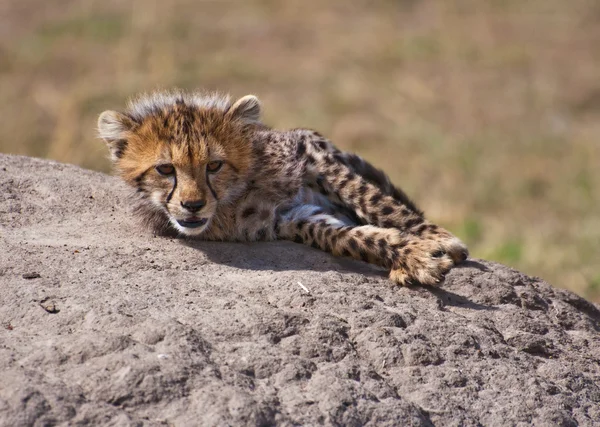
[486,111]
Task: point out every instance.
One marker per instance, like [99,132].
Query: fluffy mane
[148,104]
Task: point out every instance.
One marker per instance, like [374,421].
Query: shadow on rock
[473,264]
[447,298]
[288,256]
[280,256]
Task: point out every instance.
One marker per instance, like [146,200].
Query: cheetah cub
[208,168]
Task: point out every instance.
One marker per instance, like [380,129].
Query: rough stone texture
[102,323]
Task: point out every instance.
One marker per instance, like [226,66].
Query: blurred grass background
[487,112]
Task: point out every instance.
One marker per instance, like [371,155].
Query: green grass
[98,28]
[510,252]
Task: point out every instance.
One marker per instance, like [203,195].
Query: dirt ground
[104,324]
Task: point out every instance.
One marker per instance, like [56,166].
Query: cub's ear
[113,128]
[246,108]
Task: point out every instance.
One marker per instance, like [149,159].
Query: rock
[161,331]
[49,305]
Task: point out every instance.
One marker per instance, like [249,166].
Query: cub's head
[186,154]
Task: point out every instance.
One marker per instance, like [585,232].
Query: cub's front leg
[409,259]
[351,181]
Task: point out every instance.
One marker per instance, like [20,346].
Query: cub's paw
[447,242]
[426,261]
[451,245]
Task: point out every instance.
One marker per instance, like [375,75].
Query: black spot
[353,243]
[412,222]
[262,234]
[387,210]
[342,232]
[321,181]
[364,255]
[300,149]
[248,212]
[298,239]
[319,234]
[301,224]
[138,179]
[382,243]
[407,251]
[311,231]
[343,183]
[362,203]
[376,198]
[346,252]
[315,245]
[387,224]
[363,188]
[350,176]
[400,245]
[328,160]
[328,232]
[421,229]
[310,158]
[319,145]
[369,242]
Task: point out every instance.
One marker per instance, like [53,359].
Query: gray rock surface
[104,324]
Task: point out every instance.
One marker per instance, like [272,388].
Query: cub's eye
[166,169]
[215,166]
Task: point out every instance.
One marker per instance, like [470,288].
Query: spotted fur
[234,179]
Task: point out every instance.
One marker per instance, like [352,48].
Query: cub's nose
[193,205]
